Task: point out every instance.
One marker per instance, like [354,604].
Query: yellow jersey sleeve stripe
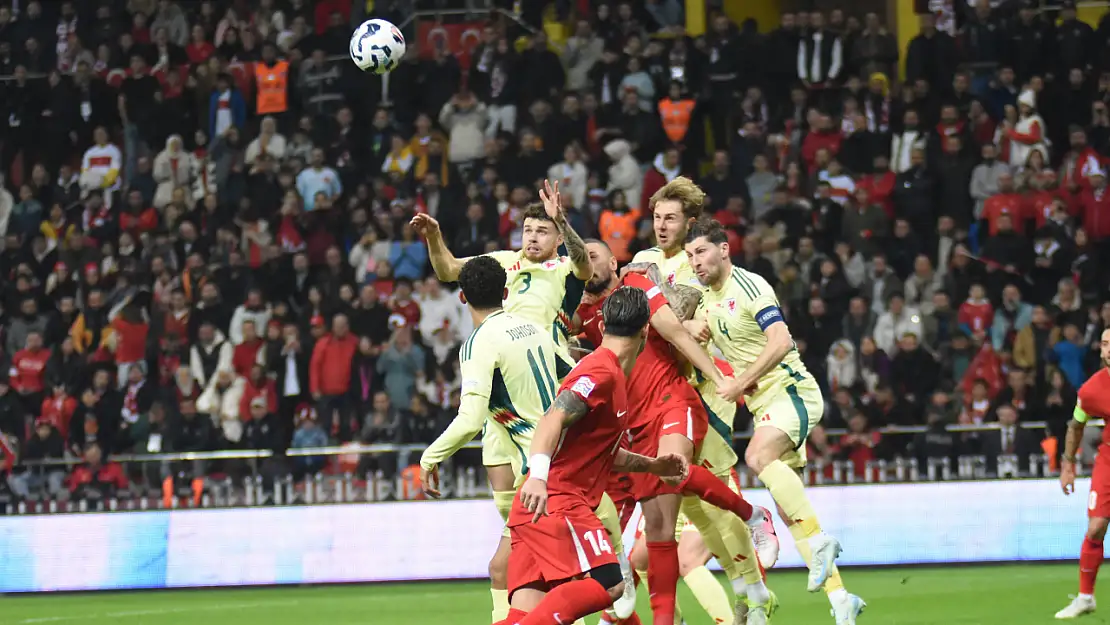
[745,284]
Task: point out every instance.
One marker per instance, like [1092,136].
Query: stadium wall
[882,524]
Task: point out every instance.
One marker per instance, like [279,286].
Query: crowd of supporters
[205,213]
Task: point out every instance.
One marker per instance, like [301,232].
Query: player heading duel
[562,566]
[741,315]
[1094,401]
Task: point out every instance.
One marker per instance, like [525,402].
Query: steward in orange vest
[617,226]
[675,113]
[271,79]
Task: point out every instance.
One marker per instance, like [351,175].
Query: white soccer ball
[377,46]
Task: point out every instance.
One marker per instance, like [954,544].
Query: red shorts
[558,547]
[685,416]
[1098,502]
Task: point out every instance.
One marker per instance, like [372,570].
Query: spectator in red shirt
[859,445]
[403,304]
[1095,207]
[823,136]
[58,409]
[28,374]
[976,314]
[199,48]
[329,377]
[129,333]
[134,219]
[880,185]
[248,353]
[1005,202]
[96,478]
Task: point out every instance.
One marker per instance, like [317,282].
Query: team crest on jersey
[550,264]
[671,280]
[730,304]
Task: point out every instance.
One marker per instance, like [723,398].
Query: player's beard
[600,283]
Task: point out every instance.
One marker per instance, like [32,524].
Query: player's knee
[757,458]
[609,576]
[499,570]
[686,564]
[1096,528]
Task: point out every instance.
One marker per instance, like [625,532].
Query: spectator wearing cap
[330,376]
[1028,135]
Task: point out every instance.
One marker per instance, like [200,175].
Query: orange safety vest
[272,84]
[618,231]
[676,118]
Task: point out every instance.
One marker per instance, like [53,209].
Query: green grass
[1003,595]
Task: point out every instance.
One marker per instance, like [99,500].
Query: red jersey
[1094,399]
[589,316]
[28,370]
[581,465]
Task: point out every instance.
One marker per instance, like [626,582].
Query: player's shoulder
[748,285]
[1099,383]
[650,255]
[507,258]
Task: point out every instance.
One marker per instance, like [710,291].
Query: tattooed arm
[667,465]
[576,249]
[684,299]
[567,408]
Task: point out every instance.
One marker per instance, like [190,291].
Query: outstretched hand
[552,201]
[671,466]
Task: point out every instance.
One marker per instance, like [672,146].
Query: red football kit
[661,401]
[570,540]
[1094,399]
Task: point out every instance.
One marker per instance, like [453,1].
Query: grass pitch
[1004,595]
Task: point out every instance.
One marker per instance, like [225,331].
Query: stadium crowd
[205,213]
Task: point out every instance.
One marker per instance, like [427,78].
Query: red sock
[1090,557]
[515,616]
[568,602]
[632,620]
[663,580]
[710,489]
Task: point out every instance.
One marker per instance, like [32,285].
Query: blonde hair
[685,192]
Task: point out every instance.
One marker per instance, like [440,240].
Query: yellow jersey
[737,315]
[546,293]
[676,269]
[509,377]
[716,452]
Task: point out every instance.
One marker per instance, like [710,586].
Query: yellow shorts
[606,512]
[795,412]
[681,527]
[497,449]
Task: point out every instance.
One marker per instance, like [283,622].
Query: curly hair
[685,192]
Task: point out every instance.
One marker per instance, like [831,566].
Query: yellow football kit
[787,398]
[509,378]
[675,269]
[546,293]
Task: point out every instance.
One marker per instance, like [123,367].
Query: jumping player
[672,419]
[543,288]
[509,376]
[741,315]
[1094,401]
[562,566]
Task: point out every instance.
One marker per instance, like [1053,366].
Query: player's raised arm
[1071,447]
[444,263]
[576,247]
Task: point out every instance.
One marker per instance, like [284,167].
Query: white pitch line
[132,613]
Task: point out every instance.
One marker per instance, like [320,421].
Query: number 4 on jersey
[599,542]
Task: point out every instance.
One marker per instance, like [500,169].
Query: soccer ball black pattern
[377,46]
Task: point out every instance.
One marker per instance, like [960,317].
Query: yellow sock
[801,541]
[789,493]
[710,594]
[727,535]
[500,604]
[503,499]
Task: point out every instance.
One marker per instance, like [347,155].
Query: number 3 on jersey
[527,277]
[599,542]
